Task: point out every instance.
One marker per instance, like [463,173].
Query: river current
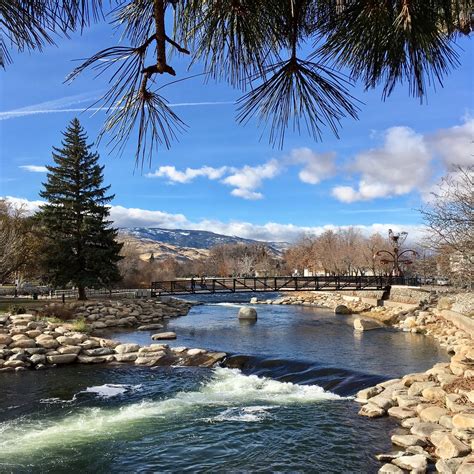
[282,402]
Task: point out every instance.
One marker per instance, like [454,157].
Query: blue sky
[225,177]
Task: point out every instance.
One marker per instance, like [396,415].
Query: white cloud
[34,168]
[189,174]
[136,217]
[246,194]
[316,166]
[345,193]
[244,180]
[404,163]
[455,144]
[249,178]
[401,165]
[270,231]
[29,206]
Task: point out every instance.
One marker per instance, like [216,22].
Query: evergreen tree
[80,246]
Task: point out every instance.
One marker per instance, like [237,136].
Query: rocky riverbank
[345,304]
[434,408]
[33,341]
[325,300]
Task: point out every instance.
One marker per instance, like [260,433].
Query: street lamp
[395,257]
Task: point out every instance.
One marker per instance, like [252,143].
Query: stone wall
[464,304]
[409,294]
[373,294]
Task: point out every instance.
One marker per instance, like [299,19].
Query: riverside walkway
[276,284]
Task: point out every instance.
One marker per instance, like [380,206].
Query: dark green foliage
[16,309]
[392,42]
[262,47]
[80,246]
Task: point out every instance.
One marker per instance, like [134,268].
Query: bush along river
[283,400]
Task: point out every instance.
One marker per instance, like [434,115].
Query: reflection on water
[301,333]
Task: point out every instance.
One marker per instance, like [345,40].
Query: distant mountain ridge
[197,239]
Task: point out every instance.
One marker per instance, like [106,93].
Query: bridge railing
[276,284]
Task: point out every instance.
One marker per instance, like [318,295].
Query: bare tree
[17,242]
[450,221]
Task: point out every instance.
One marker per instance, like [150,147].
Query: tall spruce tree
[81,247]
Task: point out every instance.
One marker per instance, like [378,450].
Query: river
[282,402]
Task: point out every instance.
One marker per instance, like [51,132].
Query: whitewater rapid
[245,398]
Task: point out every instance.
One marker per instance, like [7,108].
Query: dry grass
[465,384]
[58,311]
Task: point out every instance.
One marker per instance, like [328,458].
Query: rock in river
[61,358]
[247,313]
[164,336]
[342,309]
[361,324]
[150,327]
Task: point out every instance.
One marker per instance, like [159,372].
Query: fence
[68,294]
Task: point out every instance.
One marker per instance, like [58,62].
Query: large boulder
[390,469]
[342,309]
[48,342]
[125,348]
[464,421]
[371,410]
[23,343]
[432,414]
[248,313]
[448,446]
[425,429]
[401,413]
[150,327]
[415,463]
[163,336]
[69,350]
[5,339]
[83,359]
[367,393]
[38,359]
[22,318]
[126,357]
[61,358]
[362,324]
[99,351]
[407,440]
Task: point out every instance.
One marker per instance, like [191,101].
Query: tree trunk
[82,293]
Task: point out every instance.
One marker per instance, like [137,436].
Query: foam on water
[230,305]
[242,414]
[107,390]
[227,388]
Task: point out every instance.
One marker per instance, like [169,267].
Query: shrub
[53,320]
[59,311]
[16,309]
[80,325]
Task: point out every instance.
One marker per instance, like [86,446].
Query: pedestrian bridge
[186,286]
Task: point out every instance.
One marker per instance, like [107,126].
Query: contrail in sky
[49,107]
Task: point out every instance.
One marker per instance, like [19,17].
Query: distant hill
[184,244]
